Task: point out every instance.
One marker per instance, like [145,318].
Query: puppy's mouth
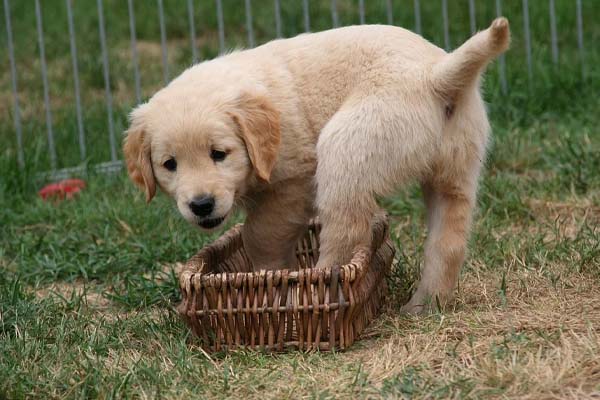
[209,223]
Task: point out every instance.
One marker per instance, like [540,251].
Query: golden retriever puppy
[324,123]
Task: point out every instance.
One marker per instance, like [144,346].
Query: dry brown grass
[537,342]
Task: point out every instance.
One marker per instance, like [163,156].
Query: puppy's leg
[449,213]
[276,220]
[345,197]
[345,227]
[367,149]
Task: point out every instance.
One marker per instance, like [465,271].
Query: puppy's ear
[136,148]
[258,124]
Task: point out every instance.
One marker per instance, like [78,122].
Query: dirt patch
[571,214]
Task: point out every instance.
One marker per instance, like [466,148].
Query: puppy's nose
[202,206]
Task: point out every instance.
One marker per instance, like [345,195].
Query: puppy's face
[204,158]
[204,168]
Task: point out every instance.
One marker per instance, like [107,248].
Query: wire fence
[248,25]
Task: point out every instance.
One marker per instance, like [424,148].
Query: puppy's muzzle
[202,206]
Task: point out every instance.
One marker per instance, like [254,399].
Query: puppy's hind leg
[345,202]
[346,226]
[449,213]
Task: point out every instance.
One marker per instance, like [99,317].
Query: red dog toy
[64,189]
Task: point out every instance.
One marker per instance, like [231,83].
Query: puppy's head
[203,155]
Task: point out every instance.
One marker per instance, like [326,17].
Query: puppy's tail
[461,68]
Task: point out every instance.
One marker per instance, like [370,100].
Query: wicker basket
[228,306]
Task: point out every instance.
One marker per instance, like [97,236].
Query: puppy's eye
[170,164]
[218,155]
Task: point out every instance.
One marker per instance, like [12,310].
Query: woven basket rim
[349,272]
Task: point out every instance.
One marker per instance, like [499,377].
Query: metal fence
[114,163]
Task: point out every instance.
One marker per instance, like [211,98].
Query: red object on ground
[64,189]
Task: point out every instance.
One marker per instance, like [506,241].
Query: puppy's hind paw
[418,305]
[423,305]
[413,309]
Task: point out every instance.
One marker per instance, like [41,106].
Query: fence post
[221,27]
[527,42]
[190,4]
[334,14]
[76,80]
[249,27]
[278,19]
[553,37]
[502,60]
[417,16]
[446,25]
[40,30]
[134,56]
[389,12]
[580,38]
[109,111]
[306,13]
[163,42]
[472,17]
[361,11]
[15,91]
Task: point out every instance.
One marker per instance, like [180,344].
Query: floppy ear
[258,125]
[136,148]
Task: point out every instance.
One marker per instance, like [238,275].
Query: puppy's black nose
[202,206]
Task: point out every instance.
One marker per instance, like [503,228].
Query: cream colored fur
[377,106]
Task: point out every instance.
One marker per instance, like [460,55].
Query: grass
[87,287]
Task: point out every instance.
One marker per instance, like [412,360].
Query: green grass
[87,287]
